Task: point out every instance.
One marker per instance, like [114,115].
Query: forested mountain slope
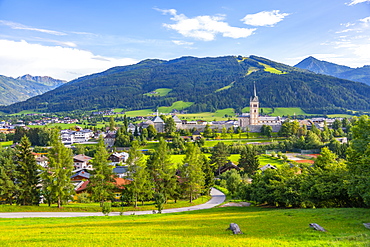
[211,83]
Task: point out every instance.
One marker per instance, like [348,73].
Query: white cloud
[19,58]
[204,27]
[365,20]
[353,2]
[180,42]
[14,25]
[264,18]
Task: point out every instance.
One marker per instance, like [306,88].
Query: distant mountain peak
[327,68]
[45,80]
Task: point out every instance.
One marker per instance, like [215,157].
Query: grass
[266,110]
[94,207]
[285,111]
[144,112]
[271,70]
[261,227]
[25,112]
[178,105]
[339,116]
[225,87]
[6,144]
[225,112]
[160,92]
[267,159]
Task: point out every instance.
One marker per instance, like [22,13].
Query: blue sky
[68,39]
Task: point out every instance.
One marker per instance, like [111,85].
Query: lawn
[178,105]
[291,111]
[94,207]
[261,227]
[144,112]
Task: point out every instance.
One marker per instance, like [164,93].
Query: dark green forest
[199,80]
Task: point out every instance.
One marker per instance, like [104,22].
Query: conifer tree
[220,155]
[191,172]
[28,174]
[101,182]
[249,159]
[8,175]
[57,177]
[209,177]
[161,170]
[140,185]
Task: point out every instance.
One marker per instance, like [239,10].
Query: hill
[19,89]
[361,74]
[206,84]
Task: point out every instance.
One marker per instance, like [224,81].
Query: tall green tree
[170,126]
[8,176]
[101,182]
[249,160]
[192,173]
[140,186]
[162,171]
[112,123]
[57,177]
[28,174]
[220,156]
[358,157]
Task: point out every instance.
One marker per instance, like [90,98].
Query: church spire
[255,91]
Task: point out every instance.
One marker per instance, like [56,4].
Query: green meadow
[178,105]
[160,92]
[260,227]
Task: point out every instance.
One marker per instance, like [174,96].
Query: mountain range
[19,89]
[361,74]
[205,84]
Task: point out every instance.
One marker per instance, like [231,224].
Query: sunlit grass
[178,105]
[261,227]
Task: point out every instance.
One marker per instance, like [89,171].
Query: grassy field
[339,116]
[178,105]
[284,111]
[271,70]
[144,112]
[160,92]
[261,227]
[225,87]
[95,207]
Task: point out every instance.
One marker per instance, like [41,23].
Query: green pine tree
[101,182]
[28,174]
[57,176]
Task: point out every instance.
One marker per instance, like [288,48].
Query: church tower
[254,108]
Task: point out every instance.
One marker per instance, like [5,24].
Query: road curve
[217,198]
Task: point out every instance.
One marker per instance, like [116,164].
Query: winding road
[217,198]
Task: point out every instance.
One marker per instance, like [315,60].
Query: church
[253,120]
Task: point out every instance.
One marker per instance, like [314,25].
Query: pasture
[261,227]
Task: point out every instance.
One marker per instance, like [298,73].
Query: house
[121,171]
[118,158]
[196,135]
[118,182]
[42,161]
[81,161]
[71,136]
[131,128]
[268,166]
[80,175]
[109,140]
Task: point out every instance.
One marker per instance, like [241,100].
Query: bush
[107,208]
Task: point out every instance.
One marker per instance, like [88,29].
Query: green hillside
[209,83]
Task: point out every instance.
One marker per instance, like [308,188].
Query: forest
[209,83]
